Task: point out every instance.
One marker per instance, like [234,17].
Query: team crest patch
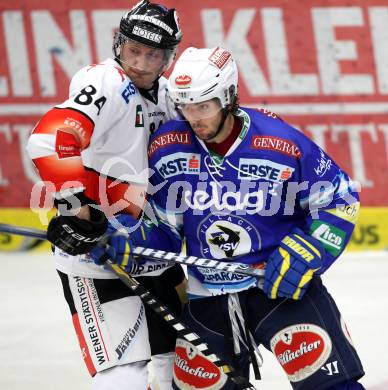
[192,370]
[301,350]
[223,236]
[139,121]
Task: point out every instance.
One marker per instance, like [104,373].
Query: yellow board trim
[370,233]
[371,230]
[26,218]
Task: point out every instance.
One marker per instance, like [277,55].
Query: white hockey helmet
[204,74]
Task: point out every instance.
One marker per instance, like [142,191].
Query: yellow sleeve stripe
[284,268]
[315,250]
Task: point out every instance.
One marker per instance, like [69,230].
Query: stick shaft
[158,255]
[235,267]
[156,305]
[23,231]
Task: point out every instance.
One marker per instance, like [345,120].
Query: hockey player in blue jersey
[242,184]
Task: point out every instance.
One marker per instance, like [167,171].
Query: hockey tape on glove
[292,265]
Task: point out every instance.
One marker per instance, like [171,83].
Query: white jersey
[123,120]
[112,123]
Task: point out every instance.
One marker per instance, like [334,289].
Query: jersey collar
[246,123]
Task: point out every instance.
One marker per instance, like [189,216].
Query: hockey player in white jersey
[91,150]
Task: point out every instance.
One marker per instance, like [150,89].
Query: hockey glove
[118,245]
[291,267]
[77,236]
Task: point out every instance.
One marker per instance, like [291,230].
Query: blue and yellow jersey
[241,205]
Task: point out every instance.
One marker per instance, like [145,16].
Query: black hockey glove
[77,236]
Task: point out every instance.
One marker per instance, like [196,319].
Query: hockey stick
[156,305]
[159,255]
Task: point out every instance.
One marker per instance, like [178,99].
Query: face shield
[194,112]
[140,56]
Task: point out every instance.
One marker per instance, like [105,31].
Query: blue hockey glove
[118,244]
[291,267]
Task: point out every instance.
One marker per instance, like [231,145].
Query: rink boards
[371,232]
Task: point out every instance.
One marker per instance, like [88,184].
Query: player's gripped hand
[77,236]
[291,266]
[119,243]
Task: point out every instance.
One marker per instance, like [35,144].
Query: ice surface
[39,350]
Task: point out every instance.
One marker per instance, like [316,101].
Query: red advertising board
[321,65]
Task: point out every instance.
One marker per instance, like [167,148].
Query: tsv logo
[223,236]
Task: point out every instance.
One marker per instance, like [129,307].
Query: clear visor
[197,111]
[140,56]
